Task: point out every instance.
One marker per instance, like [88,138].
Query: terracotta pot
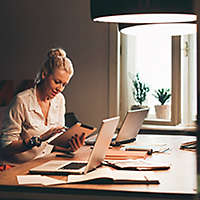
[162,111]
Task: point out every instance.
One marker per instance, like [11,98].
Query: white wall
[30,27]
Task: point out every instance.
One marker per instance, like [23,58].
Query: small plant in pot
[163,95]
[140,90]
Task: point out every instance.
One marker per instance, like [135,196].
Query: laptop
[107,129]
[130,127]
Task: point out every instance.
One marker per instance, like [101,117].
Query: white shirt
[25,119]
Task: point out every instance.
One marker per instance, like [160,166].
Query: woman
[37,113]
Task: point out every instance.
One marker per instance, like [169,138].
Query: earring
[43,76]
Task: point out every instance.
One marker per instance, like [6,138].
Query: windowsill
[179,129]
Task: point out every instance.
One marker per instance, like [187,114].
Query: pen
[164,150]
[149,151]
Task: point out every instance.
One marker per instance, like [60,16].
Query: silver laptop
[97,155]
[130,127]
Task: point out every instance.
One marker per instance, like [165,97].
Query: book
[108,176]
[116,154]
[61,139]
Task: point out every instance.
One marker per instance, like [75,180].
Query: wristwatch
[34,141]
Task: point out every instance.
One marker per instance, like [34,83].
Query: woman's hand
[76,142]
[51,132]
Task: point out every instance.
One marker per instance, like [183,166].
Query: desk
[179,182]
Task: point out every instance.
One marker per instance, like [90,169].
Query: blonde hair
[56,58]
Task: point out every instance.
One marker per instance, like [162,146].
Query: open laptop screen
[131,126]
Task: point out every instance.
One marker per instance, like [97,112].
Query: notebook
[107,129]
[130,127]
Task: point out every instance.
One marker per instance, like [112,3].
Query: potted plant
[140,90]
[163,95]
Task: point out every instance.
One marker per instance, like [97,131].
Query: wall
[30,27]
[197,8]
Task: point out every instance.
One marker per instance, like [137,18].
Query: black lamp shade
[103,8]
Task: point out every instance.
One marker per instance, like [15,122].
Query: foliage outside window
[140,89]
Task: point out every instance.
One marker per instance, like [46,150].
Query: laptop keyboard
[74,165]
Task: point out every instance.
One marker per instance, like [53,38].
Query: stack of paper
[113,154]
[139,164]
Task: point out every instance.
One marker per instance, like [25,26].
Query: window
[164,57]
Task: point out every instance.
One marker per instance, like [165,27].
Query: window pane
[150,57]
[153,63]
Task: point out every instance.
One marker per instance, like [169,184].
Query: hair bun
[56,53]
[56,58]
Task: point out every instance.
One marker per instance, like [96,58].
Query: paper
[99,172]
[137,164]
[156,148]
[38,179]
[29,179]
[118,176]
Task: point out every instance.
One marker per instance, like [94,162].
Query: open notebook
[130,127]
[97,155]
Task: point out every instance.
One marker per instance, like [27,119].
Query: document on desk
[138,164]
[108,176]
[156,148]
[38,179]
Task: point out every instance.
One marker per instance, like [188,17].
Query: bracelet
[34,141]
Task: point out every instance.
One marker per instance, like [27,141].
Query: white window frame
[115,79]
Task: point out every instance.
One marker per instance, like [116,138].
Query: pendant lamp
[142,11]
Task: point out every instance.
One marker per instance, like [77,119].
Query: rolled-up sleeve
[12,123]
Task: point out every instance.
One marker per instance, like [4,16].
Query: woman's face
[55,82]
